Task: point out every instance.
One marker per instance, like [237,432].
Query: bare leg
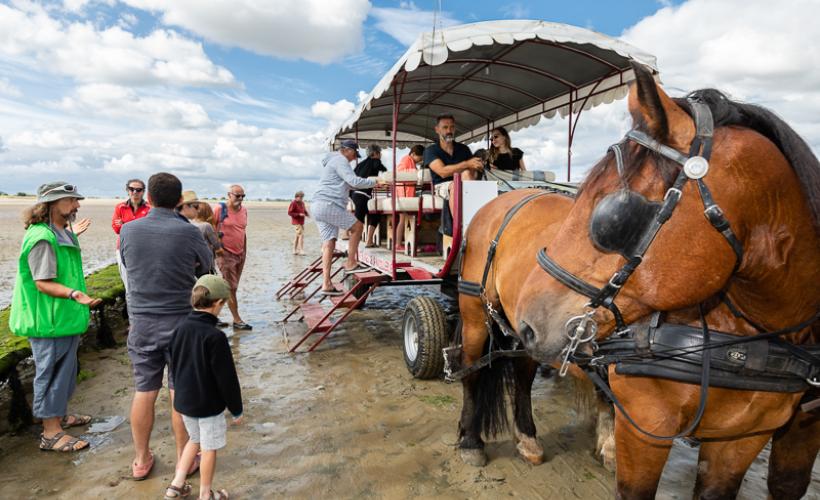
[234,307]
[400,231]
[142,423]
[353,245]
[722,465]
[300,244]
[184,463]
[327,257]
[371,232]
[178,426]
[206,473]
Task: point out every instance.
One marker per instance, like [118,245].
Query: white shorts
[330,218]
[443,189]
[209,432]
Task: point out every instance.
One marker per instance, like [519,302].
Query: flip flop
[77,421]
[331,293]
[140,472]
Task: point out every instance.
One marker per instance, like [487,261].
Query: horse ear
[664,119]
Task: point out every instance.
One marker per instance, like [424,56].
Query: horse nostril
[527,334]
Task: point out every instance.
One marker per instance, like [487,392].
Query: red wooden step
[313,314]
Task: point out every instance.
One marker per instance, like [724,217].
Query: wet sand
[347,421]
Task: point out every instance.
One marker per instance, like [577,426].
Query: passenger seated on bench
[407,164]
[502,155]
[369,167]
[447,158]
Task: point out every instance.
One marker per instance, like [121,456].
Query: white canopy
[494,73]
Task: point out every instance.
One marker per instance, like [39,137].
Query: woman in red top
[298,212]
[407,164]
[134,207]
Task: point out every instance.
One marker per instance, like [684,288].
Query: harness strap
[494,244]
[704,389]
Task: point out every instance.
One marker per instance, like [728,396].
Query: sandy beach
[347,421]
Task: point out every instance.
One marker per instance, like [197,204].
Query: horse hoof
[606,454]
[474,457]
[530,450]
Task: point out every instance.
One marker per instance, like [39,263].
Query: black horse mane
[727,112]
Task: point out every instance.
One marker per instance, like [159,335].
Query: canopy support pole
[397,92]
[570,131]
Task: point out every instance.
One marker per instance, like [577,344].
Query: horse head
[761,180]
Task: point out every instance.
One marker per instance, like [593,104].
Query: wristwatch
[71,295]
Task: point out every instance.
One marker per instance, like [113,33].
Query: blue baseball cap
[351,144]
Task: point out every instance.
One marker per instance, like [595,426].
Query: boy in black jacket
[206,383]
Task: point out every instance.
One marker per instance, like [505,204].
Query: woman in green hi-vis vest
[51,308]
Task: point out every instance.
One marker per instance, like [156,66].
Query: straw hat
[189,197]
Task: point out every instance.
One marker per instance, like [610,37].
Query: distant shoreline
[27,200]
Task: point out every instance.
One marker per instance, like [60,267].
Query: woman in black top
[502,155]
[369,167]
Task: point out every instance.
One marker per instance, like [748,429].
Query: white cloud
[81,51]
[407,22]
[754,52]
[315,30]
[121,102]
[8,89]
[335,113]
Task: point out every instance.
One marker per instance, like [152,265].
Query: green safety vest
[35,314]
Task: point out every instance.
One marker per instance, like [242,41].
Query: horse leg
[794,450]
[605,434]
[640,461]
[722,465]
[474,335]
[526,443]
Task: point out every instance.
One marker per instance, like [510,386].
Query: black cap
[351,144]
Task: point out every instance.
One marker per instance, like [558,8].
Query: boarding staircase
[316,312]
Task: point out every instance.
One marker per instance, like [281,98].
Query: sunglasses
[135,190]
[496,136]
[68,188]
[240,196]
[195,206]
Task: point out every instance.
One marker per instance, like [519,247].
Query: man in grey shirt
[329,206]
[163,255]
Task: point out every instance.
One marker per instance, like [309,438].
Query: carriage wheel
[350,282]
[425,335]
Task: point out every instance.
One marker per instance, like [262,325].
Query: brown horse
[767,183]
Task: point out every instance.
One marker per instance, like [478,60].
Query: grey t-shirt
[41,258]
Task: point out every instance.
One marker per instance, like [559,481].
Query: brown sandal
[218,495]
[50,444]
[183,491]
[76,421]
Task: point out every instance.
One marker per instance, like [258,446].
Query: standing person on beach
[133,208]
[201,216]
[163,256]
[207,383]
[298,211]
[369,167]
[232,221]
[329,207]
[50,307]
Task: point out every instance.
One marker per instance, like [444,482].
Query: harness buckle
[612,281]
[673,190]
[812,381]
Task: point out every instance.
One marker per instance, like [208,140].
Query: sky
[96,92]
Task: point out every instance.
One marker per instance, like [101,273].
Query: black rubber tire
[427,317]
[350,282]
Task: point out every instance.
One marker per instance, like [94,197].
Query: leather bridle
[695,167]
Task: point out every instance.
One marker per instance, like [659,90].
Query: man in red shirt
[298,212]
[230,227]
[134,207]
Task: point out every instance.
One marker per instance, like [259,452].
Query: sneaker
[222,324]
[242,326]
